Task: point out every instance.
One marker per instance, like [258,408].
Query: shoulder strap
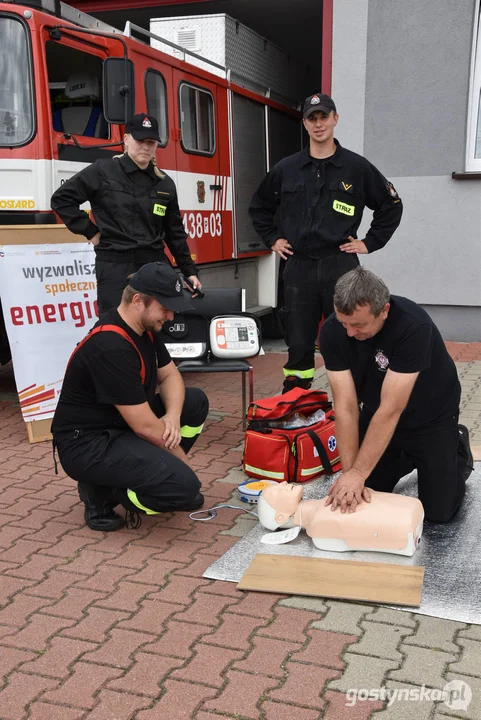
[326,464]
[119,331]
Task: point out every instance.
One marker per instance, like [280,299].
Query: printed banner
[49,301]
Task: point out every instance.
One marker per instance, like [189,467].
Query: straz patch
[341,207]
[159,209]
[382,360]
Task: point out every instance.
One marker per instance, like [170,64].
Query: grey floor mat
[450,554]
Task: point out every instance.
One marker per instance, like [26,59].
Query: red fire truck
[67,84]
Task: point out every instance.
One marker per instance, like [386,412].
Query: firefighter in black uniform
[320,194]
[124,421]
[135,212]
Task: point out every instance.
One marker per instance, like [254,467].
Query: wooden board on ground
[342,579]
[39,430]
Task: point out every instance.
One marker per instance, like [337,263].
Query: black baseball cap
[143,127]
[161,282]
[319,102]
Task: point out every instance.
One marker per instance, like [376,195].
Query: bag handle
[322,451]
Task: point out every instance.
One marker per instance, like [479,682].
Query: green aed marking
[343,208]
[159,209]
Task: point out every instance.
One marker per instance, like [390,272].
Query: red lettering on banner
[16,314]
[49,313]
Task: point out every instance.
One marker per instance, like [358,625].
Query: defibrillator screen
[236,334]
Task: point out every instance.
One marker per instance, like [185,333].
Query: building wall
[402,94]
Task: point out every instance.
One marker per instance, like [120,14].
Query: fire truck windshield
[16,111]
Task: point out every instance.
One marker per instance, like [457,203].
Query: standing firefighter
[321,193]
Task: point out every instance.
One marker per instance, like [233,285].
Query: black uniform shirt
[408,342]
[104,372]
[321,203]
[135,211]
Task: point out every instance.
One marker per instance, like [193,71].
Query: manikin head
[277,505]
[361,303]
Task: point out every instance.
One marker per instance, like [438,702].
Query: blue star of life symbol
[331,443]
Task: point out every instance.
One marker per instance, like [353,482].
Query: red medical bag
[275,450]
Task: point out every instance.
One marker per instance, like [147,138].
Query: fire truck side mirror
[118,90]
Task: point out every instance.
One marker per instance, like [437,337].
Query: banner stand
[48,295]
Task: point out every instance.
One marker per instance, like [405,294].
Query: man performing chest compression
[125,421]
[384,352]
[320,194]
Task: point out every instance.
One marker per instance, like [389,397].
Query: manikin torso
[389,523]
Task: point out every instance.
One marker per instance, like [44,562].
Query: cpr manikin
[389,523]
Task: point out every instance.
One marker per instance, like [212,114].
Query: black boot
[99,507]
[292,381]
[464,451]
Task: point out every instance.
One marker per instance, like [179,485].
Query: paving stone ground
[122,626]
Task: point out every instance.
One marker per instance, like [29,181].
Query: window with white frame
[197,120]
[473,145]
[156,97]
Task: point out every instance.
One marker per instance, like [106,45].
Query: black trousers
[154,479]
[434,452]
[308,292]
[112,278]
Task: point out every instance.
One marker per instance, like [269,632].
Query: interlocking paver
[422,666]
[280,711]
[290,624]
[208,665]
[179,589]
[336,708]
[37,633]
[256,604]
[169,706]
[267,657]
[60,654]
[10,659]
[55,584]
[20,691]
[325,648]
[471,697]
[362,671]
[470,661]
[429,628]
[119,648]
[150,617]
[234,631]
[154,572]
[87,562]
[342,617]
[73,605]
[473,632]
[10,586]
[390,617]
[83,685]
[96,625]
[205,609]
[128,596]
[178,638]
[47,711]
[242,694]
[380,640]
[105,579]
[145,675]
[302,602]
[304,685]
[17,612]
[118,706]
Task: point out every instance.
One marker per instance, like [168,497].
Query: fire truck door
[203,192]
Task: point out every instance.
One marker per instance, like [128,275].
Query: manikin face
[140,151]
[362,324]
[153,317]
[284,497]
[320,126]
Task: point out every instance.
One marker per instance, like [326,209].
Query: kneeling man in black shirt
[396,399]
[125,421]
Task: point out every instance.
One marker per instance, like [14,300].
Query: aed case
[234,336]
[251,490]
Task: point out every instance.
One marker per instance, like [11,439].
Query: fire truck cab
[67,84]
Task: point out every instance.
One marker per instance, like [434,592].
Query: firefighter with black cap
[135,212]
[124,421]
[319,194]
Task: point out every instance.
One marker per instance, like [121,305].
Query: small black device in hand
[191,285]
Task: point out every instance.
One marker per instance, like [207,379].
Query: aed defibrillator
[234,337]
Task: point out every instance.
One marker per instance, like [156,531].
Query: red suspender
[119,331]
